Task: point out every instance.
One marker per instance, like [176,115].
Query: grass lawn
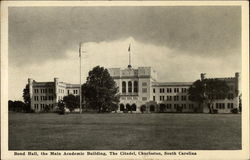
[124,131]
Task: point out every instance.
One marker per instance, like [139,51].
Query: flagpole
[129,61]
[80,92]
[129,58]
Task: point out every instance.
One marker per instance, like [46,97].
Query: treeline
[19,106]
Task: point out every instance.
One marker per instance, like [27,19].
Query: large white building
[138,88]
[49,93]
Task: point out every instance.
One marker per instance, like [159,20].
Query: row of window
[218,96]
[169,90]
[43,98]
[222,105]
[46,90]
[61,90]
[183,106]
[124,88]
[42,106]
[75,91]
[169,98]
[129,98]
[60,97]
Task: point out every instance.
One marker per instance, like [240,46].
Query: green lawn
[124,131]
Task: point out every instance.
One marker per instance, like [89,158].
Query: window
[144,83]
[161,98]
[184,90]
[35,98]
[129,86]
[50,90]
[169,106]
[169,90]
[176,98]
[135,98]
[162,90]
[129,97]
[123,87]
[75,91]
[135,86]
[175,106]
[223,105]
[153,90]
[183,98]
[144,90]
[153,98]
[176,90]
[169,98]
[144,98]
[230,105]
[220,105]
[36,90]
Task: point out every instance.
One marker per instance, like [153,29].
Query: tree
[100,91]
[207,91]
[26,98]
[71,102]
[16,106]
[61,107]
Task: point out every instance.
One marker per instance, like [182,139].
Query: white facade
[49,93]
[165,96]
[138,88]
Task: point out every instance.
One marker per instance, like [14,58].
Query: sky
[179,42]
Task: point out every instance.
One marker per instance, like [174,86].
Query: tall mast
[80,92]
[129,61]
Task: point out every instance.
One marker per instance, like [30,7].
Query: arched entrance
[128,107]
[143,108]
[152,108]
[133,107]
[122,107]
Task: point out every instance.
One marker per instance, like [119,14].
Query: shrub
[235,110]
[215,111]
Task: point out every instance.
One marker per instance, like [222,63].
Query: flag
[129,48]
[80,49]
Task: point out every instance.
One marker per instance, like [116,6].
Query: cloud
[38,34]
[171,64]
